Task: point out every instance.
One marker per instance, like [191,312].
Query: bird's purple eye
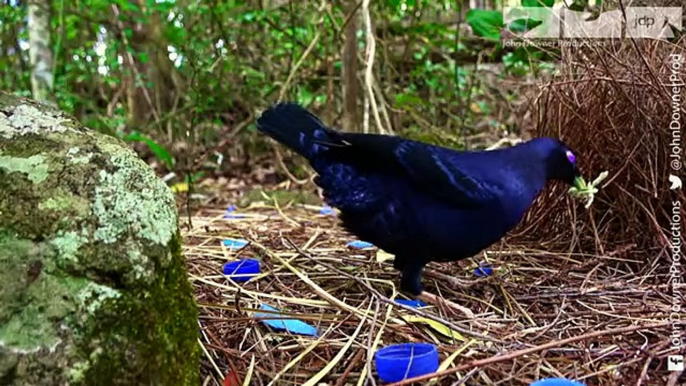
[571,157]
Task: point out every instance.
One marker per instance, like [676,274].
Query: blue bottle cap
[247,268]
[556,382]
[406,360]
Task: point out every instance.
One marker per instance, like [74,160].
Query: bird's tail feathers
[297,128]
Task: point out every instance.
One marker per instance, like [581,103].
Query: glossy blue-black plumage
[418,201]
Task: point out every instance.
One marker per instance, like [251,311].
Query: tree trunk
[150,83]
[40,51]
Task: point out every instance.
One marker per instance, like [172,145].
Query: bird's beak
[579,181]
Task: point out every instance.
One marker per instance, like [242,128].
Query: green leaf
[305,97]
[523,25]
[577,5]
[160,152]
[538,3]
[486,24]
[407,99]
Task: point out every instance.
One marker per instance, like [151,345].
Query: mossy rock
[93,289]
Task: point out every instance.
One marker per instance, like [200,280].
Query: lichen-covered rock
[92,283]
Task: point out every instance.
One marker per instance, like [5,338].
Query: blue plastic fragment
[556,382]
[242,270]
[411,303]
[357,244]
[327,210]
[483,270]
[229,214]
[235,243]
[406,360]
[286,323]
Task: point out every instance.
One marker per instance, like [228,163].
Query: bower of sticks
[575,292]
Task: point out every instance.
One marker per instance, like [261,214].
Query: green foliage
[181,76]
[486,24]
[160,152]
[523,25]
[538,3]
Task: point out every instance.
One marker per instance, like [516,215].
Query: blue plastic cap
[247,267]
[556,382]
[406,360]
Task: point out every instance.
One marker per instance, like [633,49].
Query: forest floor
[551,315]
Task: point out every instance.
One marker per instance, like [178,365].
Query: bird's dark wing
[434,169]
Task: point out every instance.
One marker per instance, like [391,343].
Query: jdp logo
[675,363]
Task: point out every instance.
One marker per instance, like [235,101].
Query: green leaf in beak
[586,191]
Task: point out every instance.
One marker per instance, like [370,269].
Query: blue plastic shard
[556,382]
[483,270]
[327,210]
[229,212]
[293,326]
[235,244]
[357,244]
[411,303]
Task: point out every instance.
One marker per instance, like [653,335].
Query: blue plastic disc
[246,268]
[556,382]
[406,360]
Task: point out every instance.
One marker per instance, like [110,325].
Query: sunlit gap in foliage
[100,48]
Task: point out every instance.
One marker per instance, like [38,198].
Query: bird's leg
[411,275]
[411,282]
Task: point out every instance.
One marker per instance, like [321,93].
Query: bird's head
[561,163]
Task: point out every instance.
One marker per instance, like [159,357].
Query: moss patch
[156,328]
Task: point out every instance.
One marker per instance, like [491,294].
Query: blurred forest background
[183,80]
